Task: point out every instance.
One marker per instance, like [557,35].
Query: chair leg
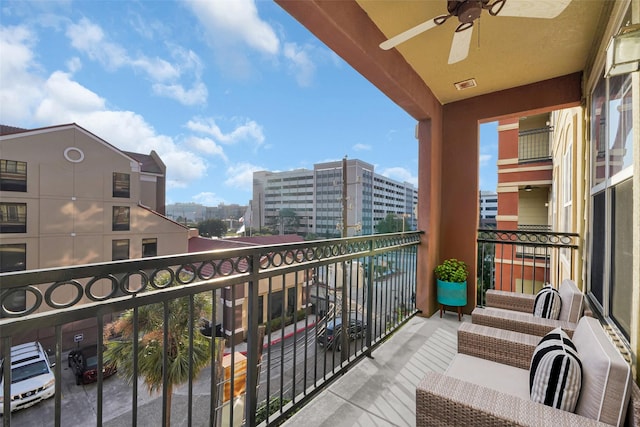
[459,313]
[441,308]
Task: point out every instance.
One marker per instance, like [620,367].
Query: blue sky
[217,88]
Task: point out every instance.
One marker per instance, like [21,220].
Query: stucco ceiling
[505,52]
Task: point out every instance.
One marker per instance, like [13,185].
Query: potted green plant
[451,282]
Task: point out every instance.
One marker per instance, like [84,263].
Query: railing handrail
[529,237]
[29,280]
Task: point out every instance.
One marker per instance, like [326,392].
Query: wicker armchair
[463,395]
[514,311]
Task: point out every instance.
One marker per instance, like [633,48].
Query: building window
[149,247]
[610,281]
[119,249]
[13,217]
[13,175]
[13,257]
[121,185]
[120,218]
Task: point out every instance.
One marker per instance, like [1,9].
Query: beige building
[67,197]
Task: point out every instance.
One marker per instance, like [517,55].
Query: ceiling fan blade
[534,8]
[460,45]
[411,32]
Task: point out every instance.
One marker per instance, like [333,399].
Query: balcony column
[429,135]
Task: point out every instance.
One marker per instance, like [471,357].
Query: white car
[32,379]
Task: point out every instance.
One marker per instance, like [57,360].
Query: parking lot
[79,404]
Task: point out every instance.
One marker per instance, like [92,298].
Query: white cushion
[606,379]
[572,301]
[556,372]
[487,373]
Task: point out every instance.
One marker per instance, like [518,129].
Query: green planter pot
[452,293]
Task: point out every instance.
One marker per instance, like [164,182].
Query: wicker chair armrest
[447,401]
[519,322]
[510,300]
[499,345]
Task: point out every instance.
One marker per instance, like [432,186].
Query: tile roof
[8,130]
[200,244]
[147,162]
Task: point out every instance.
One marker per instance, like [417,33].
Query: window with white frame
[611,247]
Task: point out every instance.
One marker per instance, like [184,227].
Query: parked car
[32,378]
[84,363]
[329,337]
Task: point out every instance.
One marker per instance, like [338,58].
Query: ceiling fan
[467,11]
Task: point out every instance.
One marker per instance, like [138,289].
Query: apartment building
[315,197]
[488,209]
[68,197]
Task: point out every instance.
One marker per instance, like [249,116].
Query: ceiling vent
[465,84]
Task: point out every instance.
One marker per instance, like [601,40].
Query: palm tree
[150,344]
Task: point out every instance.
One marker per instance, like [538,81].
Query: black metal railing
[524,261]
[259,371]
[534,144]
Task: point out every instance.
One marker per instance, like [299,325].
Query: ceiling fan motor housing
[467,11]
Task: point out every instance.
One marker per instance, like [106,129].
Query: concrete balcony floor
[381,391]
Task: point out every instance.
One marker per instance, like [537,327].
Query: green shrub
[274,406]
[452,270]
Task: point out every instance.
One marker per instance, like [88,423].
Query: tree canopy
[150,343]
[390,224]
[212,228]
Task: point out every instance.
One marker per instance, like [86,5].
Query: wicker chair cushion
[572,301]
[606,379]
[555,376]
[487,373]
[547,304]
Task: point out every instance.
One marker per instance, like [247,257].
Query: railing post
[252,343]
[344,339]
[369,296]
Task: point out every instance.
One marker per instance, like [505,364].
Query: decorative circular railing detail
[186,274]
[48,295]
[28,310]
[275,259]
[134,278]
[206,270]
[156,276]
[114,287]
[124,283]
[244,264]
[228,270]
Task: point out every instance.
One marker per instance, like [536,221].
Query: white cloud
[300,63]
[233,21]
[247,130]
[484,159]
[65,99]
[89,38]
[197,95]
[206,145]
[240,176]
[361,147]
[21,84]
[400,174]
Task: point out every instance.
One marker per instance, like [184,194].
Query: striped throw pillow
[547,303]
[555,376]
